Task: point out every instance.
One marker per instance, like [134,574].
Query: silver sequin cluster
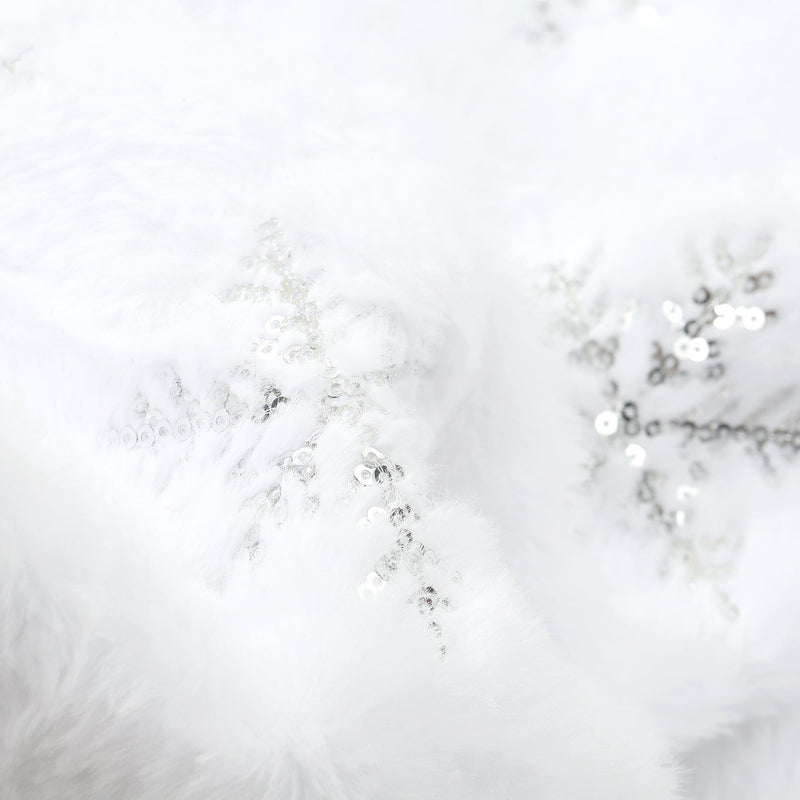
[694,350]
[295,337]
[378,472]
[189,416]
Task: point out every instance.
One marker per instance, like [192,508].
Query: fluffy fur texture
[427,162]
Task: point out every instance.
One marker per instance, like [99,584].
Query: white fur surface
[427,163]
[127,675]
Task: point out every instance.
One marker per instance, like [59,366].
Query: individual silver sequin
[606,423]
[373,585]
[753,318]
[273,325]
[306,473]
[247,370]
[725,316]
[285,462]
[354,387]
[182,429]
[680,347]
[146,436]
[653,428]
[699,349]
[692,328]
[336,388]
[385,566]
[373,457]
[630,411]
[715,371]
[305,455]
[128,437]
[364,475]
[274,494]
[221,420]
[636,454]
[176,388]
[264,347]
[376,514]
[673,312]
[382,474]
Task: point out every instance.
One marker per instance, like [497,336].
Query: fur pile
[428,164]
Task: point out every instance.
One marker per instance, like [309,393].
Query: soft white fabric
[428,165]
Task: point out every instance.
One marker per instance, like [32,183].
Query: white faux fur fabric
[400,183]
